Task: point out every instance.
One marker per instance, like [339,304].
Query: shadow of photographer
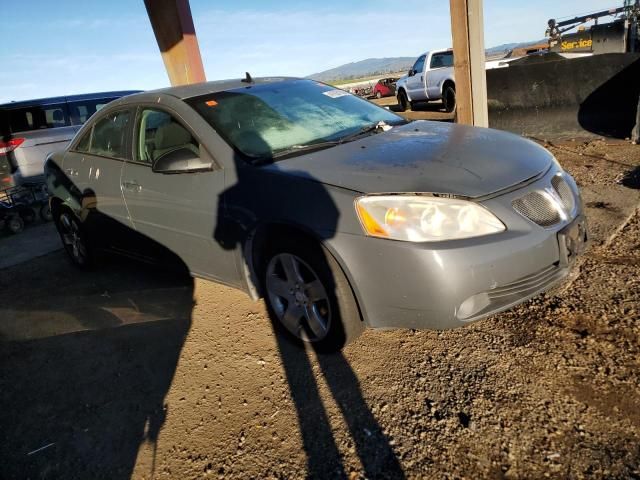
[271,202]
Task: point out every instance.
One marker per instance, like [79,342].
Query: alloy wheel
[72,238]
[298,297]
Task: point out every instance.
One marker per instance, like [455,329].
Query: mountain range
[380,66]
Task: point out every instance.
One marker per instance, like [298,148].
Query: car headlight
[416,218]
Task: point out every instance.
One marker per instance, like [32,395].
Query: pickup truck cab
[431,78]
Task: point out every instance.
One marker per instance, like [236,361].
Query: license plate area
[572,241]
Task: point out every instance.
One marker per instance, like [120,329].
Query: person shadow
[276,198]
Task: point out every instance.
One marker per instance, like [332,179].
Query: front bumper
[449,284]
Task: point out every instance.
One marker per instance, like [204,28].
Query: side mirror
[412,72]
[182,160]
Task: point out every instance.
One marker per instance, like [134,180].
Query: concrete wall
[553,97]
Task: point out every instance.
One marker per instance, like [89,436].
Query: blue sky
[76,46]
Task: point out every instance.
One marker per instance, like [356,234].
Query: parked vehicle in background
[431,78]
[386,87]
[340,213]
[30,130]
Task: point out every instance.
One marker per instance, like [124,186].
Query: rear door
[178,210]
[109,146]
[415,83]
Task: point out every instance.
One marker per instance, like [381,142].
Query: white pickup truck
[430,78]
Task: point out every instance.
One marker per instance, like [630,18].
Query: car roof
[67,98]
[184,92]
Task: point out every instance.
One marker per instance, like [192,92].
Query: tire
[449,99]
[403,101]
[45,213]
[74,239]
[28,215]
[14,224]
[308,296]
[378,95]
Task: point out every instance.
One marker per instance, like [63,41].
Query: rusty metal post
[467,30]
[176,36]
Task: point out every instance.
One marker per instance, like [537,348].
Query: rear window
[37,117]
[440,60]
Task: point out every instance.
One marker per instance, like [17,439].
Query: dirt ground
[132,372]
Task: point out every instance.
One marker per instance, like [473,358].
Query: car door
[177,210]
[440,66]
[108,220]
[415,82]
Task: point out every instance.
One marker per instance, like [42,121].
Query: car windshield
[269,121]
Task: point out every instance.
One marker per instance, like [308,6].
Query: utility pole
[176,36]
[467,29]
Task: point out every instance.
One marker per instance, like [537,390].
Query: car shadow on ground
[84,371]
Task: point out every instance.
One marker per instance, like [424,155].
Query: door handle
[72,172]
[132,186]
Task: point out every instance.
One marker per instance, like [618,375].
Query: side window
[38,117]
[159,133]
[55,116]
[80,111]
[109,137]
[419,65]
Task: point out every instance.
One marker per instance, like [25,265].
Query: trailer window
[38,117]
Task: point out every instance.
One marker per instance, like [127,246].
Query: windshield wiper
[304,148]
[381,126]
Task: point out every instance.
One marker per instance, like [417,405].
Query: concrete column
[176,36]
[467,29]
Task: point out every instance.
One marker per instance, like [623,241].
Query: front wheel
[309,297]
[449,99]
[74,239]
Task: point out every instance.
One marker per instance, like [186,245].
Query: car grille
[547,208]
[538,208]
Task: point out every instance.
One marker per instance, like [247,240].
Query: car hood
[423,156]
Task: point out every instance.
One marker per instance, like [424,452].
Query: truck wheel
[308,296]
[449,99]
[403,101]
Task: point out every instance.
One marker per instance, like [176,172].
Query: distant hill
[380,66]
[507,47]
[365,68]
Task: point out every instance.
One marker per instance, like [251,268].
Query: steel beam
[176,36]
[467,29]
